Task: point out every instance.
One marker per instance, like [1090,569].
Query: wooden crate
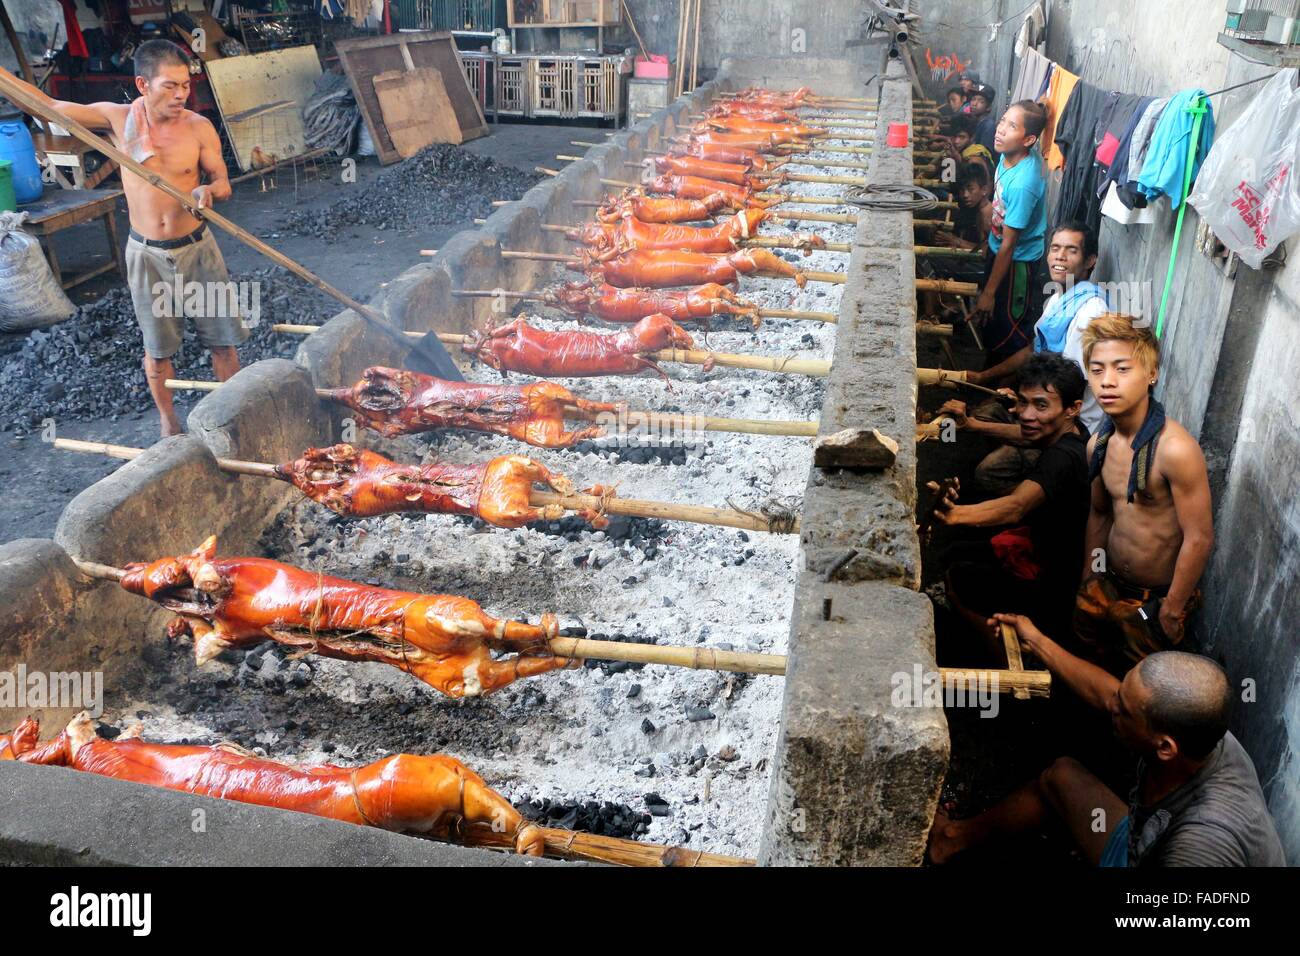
[574,86]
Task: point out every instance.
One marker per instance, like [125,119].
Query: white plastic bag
[1247,189]
[30,294]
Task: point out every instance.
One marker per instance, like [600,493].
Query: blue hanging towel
[1166,162]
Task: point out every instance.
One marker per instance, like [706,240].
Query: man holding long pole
[169,246]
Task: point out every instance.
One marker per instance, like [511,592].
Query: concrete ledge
[266,412]
[416,300]
[46,604]
[471,260]
[855,779]
[345,347]
[53,816]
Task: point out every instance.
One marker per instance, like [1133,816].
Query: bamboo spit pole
[812,275]
[588,847]
[830,317]
[631,507]
[683,422]
[754,242]
[29,104]
[1018,682]
[816,368]
[780,197]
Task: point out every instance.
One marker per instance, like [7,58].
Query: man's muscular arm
[1092,685]
[214,167]
[95,116]
[1183,464]
[1100,518]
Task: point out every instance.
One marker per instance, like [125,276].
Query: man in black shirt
[1197,801]
[1033,567]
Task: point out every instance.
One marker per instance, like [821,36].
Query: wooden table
[68,152]
[61,209]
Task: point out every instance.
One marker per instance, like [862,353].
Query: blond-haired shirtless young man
[1150,526]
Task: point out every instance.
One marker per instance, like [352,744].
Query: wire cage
[483,16]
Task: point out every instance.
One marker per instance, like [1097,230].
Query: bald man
[1197,801]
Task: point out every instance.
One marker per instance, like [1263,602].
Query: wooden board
[364,58]
[416,110]
[241,84]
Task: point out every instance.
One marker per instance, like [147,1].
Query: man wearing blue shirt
[1015,278]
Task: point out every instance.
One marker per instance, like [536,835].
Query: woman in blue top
[1015,277]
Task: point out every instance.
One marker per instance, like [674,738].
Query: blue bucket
[16,146]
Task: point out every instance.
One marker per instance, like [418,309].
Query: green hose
[1198,107]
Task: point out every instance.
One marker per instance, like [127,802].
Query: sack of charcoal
[30,294]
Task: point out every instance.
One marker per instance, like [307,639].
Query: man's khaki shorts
[169,286]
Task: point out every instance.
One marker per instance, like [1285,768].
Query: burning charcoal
[633,692]
[647,727]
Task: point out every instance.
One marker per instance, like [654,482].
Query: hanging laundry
[1141,139]
[1117,173]
[1077,137]
[1165,168]
[1060,89]
[1034,68]
[1033,31]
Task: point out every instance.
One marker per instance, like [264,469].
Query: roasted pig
[656,209]
[719,153]
[738,174]
[777,99]
[445,641]
[409,793]
[573,353]
[397,402]
[631,233]
[631,305]
[693,187]
[659,270]
[362,484]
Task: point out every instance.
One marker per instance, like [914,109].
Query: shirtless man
[168,244]
[1150,527]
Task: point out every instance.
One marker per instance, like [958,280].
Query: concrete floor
[37,481]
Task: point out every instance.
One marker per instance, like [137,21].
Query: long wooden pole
[761,363]
[1036,683]
[630,507]
[667,421]
[829,317]
[571,845]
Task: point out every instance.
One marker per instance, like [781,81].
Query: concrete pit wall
[855,778]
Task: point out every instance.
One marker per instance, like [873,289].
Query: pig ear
[81,731]
[207,645]
[208,549]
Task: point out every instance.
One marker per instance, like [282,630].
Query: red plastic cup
[897,135]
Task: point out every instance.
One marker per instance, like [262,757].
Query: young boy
[981,108]
[975,194]
[956,100]
[960,146]
[1012,298]
[1150,527]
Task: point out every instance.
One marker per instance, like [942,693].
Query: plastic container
[7,201]
[655,68]
[897,136]
[16,145]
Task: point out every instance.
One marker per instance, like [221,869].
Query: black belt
[193,237]
[1127,589]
